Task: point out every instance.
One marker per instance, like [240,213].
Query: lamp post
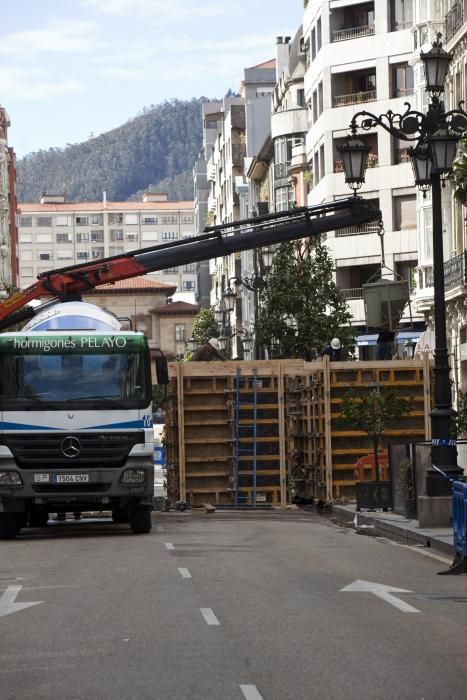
[435,134]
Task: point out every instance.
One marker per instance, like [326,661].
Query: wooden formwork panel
[301,447]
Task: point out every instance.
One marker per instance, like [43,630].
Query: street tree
[302,309]
[372,410]
[204,326]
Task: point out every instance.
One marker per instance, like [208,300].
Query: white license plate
[70,478]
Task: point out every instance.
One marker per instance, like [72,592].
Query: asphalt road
[221,607]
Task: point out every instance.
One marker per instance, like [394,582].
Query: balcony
[454,20]
[358,230]
[354,98]
[350,294]
[455,271]
[352,33]
[401,155]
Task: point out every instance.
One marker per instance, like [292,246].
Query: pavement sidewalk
[396,526]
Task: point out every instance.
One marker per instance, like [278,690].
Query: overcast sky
[72,68]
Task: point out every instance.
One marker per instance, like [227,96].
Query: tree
[302,308]
[205,326]
[459,421]
[372,411]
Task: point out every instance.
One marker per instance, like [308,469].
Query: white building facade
[55,233]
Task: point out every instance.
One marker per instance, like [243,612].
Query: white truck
[76,420]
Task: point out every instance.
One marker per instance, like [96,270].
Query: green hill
[156,150]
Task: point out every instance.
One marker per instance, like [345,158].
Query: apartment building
[55,233]
[8,227]
[358,57]
[236,127]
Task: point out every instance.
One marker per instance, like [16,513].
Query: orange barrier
[367,463]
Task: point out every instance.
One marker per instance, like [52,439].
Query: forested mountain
[156,150]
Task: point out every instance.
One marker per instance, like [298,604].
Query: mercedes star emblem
[70,447]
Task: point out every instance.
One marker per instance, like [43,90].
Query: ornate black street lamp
[435,136]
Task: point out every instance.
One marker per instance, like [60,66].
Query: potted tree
[372,410]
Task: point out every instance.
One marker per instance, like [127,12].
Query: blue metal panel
[459,517]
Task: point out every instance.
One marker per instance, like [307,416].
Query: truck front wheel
[8,526]
[140,520]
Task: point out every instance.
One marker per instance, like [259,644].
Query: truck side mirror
[162,370]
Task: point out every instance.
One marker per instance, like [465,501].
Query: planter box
[374,495]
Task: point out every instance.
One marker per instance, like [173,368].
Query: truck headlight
[132,477]
[10,479]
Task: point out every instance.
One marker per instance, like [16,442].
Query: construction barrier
[459,517]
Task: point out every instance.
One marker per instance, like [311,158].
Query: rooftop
[136,284]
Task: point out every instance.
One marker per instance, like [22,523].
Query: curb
[408,535]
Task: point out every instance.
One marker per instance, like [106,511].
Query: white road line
[184,573]
[169,545]
[251,692]
[209,616]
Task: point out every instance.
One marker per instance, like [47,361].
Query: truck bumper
[100,488]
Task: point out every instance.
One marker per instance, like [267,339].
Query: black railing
[454,19]
[455,271]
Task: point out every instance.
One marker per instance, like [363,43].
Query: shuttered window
[405,212]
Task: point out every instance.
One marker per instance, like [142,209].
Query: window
[27,271]
[318,34]
[149,236]
[43,256]
[43,221]
[115,250]
[82,237]
[405,212]
[115,218]
[170,219]
[149,220]
[97,253]
[264,91]
[301,98]
[82,255]
[320,99]
[26,255]
[169,236]
[315,105]
[131,219]
[116,235]
[25,220]
[65,254]
[62,220]
[401,14]
[131,236]
[191,268]
[189,286]
[62,237]
[180,331]
[97,236]
[96,220]
[313,44]
[187,219]
[25,237]
[82,220]
[170,271]
[322,170]
[44,238]
[402,80]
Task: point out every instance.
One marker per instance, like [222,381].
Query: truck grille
[103,450]
[70,488]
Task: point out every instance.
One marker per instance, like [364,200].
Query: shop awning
[367,339]
[408,336]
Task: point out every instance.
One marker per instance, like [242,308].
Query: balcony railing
[350,294]
[353,98]
[352,33]
[454,20]
[455,271]
[357,230]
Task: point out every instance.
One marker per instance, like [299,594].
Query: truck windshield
[36,381]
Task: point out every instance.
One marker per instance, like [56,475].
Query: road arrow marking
[7,601]
[382,591]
